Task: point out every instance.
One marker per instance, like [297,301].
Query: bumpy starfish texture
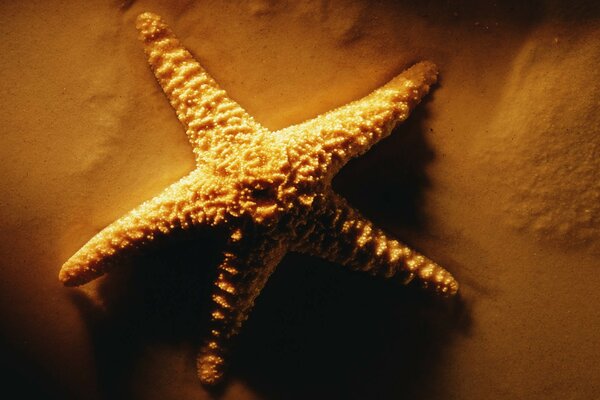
[270,191]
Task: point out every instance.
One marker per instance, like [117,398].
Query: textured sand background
[497,176]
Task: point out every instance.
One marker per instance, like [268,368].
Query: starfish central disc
[271,191]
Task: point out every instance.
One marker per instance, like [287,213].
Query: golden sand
[500,186]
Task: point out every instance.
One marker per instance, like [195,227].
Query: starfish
[269,191]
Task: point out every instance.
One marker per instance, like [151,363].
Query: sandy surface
[497,176]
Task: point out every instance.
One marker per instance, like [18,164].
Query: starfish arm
[204,109]
[168,212]
[240,278]
[341,235]
[346,132]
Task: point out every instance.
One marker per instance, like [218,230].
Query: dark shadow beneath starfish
[400,162]
[159,297]
[324,333]
[318,331]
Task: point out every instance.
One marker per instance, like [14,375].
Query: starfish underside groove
[270,191]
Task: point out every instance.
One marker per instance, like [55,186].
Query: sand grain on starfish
[270,190]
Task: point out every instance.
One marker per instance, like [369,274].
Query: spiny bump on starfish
[271,191]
